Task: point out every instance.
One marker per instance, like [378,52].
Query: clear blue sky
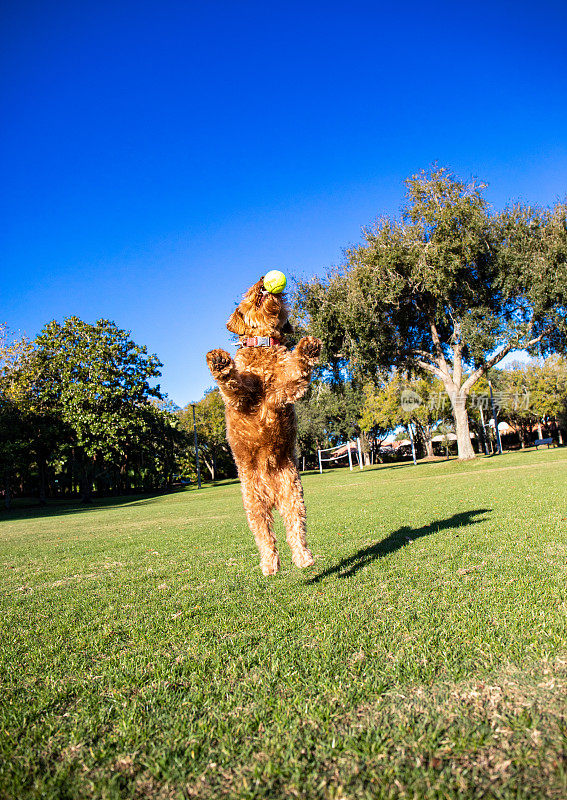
[158,157]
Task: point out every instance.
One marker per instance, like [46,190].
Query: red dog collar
[260,341]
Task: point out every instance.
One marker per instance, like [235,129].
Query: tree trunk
[424,437]
[427,443]
[365,446]
[209,465]
[459,405]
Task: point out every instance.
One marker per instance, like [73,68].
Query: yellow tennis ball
[274,282]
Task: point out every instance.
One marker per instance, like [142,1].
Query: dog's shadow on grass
[397,539]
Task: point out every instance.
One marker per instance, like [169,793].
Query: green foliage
[383,406]
[87,411]
[532,274]
[97,379]
[328,415]
[400,400]
[532,393]
[546,383]
[24,430]
[13,440]
[214,450]
[14,352]
[313,422]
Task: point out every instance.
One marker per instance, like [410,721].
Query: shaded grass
[144,655]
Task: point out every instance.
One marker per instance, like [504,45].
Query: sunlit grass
[144,655]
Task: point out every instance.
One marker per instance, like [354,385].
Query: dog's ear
[236,323]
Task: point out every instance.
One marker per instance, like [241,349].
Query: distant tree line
[428,304]
[531,397]
[79,415]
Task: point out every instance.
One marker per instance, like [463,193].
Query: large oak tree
[449,288]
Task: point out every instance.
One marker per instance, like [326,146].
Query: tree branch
[437,343]
[478,373]
[537,338]
[457,363]
[432,370]
[425,354]
[441,366]
[472,379]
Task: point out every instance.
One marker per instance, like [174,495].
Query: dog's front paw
[219,362]
[309,348]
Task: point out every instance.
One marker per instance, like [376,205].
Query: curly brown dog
[259,387]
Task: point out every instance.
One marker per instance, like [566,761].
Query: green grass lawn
[423,656]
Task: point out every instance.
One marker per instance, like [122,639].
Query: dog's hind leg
[258,505]
[289,502]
